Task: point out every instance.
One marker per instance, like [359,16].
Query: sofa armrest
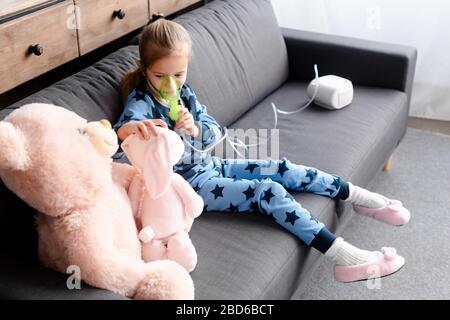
[363,62]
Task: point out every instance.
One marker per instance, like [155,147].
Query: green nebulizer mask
[169,90]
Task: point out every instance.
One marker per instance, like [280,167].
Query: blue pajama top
[141,105]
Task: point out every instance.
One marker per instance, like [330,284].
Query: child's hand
[186,122]
[141,128]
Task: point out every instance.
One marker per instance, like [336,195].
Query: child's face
[175,64]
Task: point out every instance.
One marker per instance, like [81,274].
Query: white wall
[420,23]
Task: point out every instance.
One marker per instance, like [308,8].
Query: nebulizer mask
[168,93]
[169,90]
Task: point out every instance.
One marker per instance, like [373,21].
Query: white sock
[365,198]
[343,253]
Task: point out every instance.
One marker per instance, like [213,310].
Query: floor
[436,126]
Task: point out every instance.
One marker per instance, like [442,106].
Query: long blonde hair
[159,39]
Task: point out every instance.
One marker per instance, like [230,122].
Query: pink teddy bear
[162,201]
[60,164]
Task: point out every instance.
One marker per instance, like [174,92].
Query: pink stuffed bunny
[60,164]
[162,200]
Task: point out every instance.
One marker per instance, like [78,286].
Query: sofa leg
[388,164]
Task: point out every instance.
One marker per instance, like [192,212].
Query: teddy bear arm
[123,174]
[135,192]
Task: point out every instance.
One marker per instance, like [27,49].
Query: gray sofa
[242,62]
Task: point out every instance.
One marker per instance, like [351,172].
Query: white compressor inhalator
[332,92]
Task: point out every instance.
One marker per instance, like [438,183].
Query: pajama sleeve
[138,107]
[210,130]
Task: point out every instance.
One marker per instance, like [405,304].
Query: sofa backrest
[239,55]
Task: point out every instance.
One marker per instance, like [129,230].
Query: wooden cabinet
[44,34]
[101,21]
[36,43]
[169,6]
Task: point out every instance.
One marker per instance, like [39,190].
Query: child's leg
[268,197]
[271,198]
[291,176]
[309,179]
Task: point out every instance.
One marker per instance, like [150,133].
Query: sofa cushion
[248,256]
[239,55]
[357,139]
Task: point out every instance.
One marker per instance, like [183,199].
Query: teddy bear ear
[13,155]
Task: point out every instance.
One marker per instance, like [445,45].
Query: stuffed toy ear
[13,155]
[157,169]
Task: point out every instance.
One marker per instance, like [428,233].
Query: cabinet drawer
[102,21]
[53,29]
[169,6]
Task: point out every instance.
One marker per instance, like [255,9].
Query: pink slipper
[387,263]
[394,213]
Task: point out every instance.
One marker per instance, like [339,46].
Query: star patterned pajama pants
[242,185]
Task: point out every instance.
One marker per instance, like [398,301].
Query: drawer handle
[119,14]
[36,49]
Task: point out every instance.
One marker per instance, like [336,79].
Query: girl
[241,185]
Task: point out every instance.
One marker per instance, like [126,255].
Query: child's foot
[354,264]
[386,263]
[394,213]
[377,206]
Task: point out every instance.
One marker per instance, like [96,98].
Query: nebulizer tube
[276,110]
